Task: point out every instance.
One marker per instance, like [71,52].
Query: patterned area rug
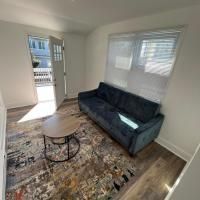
[101,169]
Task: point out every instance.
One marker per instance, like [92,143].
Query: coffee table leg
[67,140]
[45,148]
[68,146]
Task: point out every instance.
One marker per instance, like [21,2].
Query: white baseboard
[10,106]
[174,149]
[72,95]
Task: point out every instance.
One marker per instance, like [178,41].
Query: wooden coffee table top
[59,126]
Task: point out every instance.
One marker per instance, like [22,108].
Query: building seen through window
[40,52]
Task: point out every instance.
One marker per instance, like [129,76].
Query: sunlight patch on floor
[42,109]
[45,93]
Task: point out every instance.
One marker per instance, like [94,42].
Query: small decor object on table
[60,142]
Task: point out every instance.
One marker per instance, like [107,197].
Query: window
[142,62]
[57,52]
[41,45]
[32,44]
[157,52]
[40,58]
[120,54]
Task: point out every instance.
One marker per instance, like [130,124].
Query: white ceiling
[82,15]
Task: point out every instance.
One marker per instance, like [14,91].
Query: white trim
[3,156]
[160,29]
[174,149]
[31,67]
[2,175]
[72,95]
[182,174]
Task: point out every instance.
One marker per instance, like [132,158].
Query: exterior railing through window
[43,76]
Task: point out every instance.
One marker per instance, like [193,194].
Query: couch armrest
[146,134]
[87,94]
[159,118]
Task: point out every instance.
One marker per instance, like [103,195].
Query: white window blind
[157,52]
[142,61]
[121,52]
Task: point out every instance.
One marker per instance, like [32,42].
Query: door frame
[31,67]
[37,35]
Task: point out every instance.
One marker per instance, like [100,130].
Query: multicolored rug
[101,169]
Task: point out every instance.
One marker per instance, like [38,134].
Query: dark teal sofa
[131,120]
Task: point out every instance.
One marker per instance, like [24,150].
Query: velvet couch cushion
[141,109]
[110,118]
[108,93]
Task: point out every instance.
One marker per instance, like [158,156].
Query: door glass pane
[60,49]
[54,49]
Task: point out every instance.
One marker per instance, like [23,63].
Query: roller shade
[142,62]
[157,52]
[121,52]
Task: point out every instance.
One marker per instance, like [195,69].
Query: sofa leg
[132,155]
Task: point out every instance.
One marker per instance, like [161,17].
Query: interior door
[57,61]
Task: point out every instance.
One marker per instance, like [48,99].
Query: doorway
[43,77]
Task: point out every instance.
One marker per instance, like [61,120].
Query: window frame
[109,73]
[138,41]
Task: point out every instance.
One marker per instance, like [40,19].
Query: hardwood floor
[159,168]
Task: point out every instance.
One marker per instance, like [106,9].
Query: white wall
[187,185]
[16,77]
[75,63]
[180,131]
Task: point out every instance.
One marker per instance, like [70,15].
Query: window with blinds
[121,52]
[157,52]
[142,61]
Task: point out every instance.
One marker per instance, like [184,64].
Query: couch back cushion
[140,108]
[108,93]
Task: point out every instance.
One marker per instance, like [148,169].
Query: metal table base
[67,140]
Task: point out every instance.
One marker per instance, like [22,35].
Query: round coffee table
[59,127]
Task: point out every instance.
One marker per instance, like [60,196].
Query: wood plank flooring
[159,168]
